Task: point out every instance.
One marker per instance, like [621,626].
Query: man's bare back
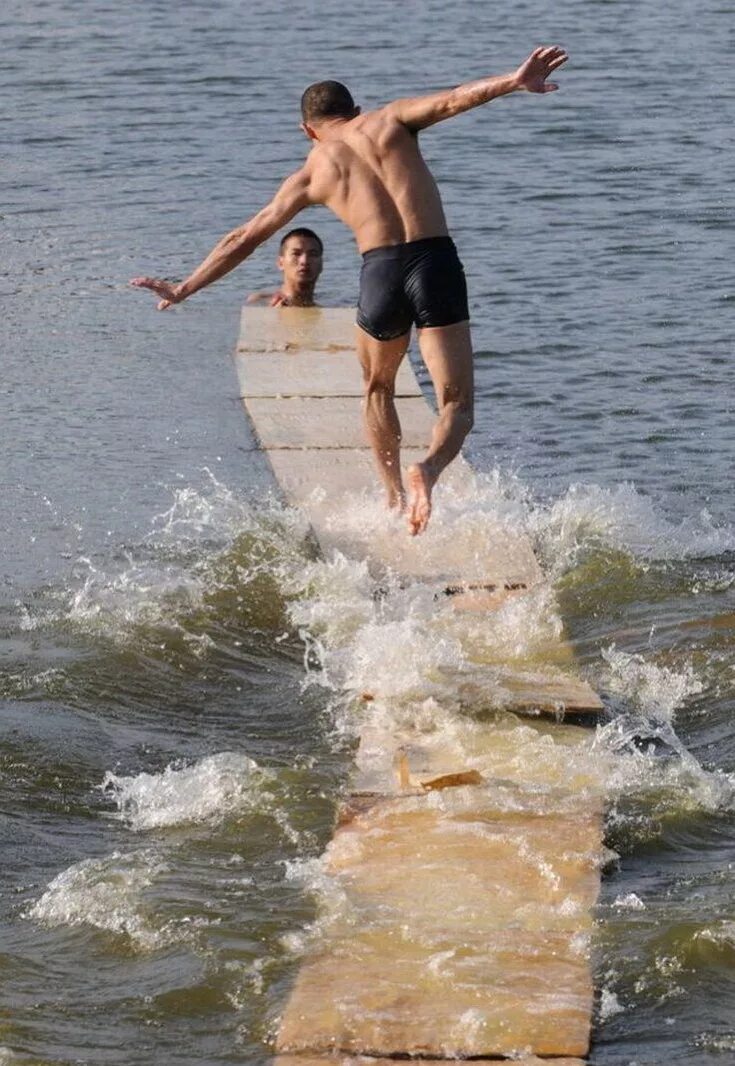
[369,171]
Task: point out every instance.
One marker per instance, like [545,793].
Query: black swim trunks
[418,283]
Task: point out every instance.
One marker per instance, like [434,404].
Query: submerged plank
[317,451]
[321,374]
[302,329]
[330,421]
[334,486]
[370,1060]
[466,932]
[391,759]
[462,875]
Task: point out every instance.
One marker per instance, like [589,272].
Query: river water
[177,671]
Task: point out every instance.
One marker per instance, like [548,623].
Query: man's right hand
[169,293]
[532,74]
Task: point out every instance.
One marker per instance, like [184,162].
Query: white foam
[629,902]
[610,1005]
[333,903]
[720,935]
[656,692]
[214,788]
[176,567]
[105,894]
[651,695]
[404,644]
[591,516]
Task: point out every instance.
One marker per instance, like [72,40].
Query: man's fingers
[552,57]
[558,62]
[145,283]
[161,288]
[550,87]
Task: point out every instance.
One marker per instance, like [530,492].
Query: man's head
[325,101]
[300,259]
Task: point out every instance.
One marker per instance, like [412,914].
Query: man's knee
[378,384]
[461,411]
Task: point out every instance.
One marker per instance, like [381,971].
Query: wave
[372,639]
[107,894]
[213,540]
[590,517]
[217,787]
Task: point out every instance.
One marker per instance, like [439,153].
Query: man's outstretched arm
[236,246]
[419,112]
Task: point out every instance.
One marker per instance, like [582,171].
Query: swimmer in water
[300,261]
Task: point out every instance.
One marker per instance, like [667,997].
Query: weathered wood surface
[465,933]
[370,1060]
[466,888]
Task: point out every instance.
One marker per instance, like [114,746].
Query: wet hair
[327,99]
[301,231]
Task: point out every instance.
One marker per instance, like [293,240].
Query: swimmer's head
[325,101]
[300,259]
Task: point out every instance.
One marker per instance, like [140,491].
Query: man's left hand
[532,74]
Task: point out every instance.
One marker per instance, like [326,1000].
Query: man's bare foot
[420,484]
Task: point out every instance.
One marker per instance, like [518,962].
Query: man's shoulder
[383,125]
[262,297]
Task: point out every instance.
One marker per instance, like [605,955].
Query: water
[180,678]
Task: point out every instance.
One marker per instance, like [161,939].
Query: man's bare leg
[380,361]
[447,353]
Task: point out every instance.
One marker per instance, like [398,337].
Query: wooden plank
[315,374]
[391,759]
[465,886]
[478,561]
[303,329]
[482,553]
[330,422]
[370,1060]
[466,932]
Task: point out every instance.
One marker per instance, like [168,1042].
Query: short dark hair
[301,231]
[327,99]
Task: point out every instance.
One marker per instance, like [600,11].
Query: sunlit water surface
[180,676]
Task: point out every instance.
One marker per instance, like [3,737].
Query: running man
[300,258]
[369,171]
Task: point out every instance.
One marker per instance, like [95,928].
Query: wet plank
[462,888]
[313,423]
[321,374]
[297,329]
[392,759]
[466,931]
[317,452]
[369,1060]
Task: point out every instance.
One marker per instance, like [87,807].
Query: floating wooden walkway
[467,892]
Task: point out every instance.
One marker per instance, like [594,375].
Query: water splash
[217,787]
[652,692]
[107,894]
[207,542]
[590,518]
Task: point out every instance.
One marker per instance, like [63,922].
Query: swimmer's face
[300,261]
